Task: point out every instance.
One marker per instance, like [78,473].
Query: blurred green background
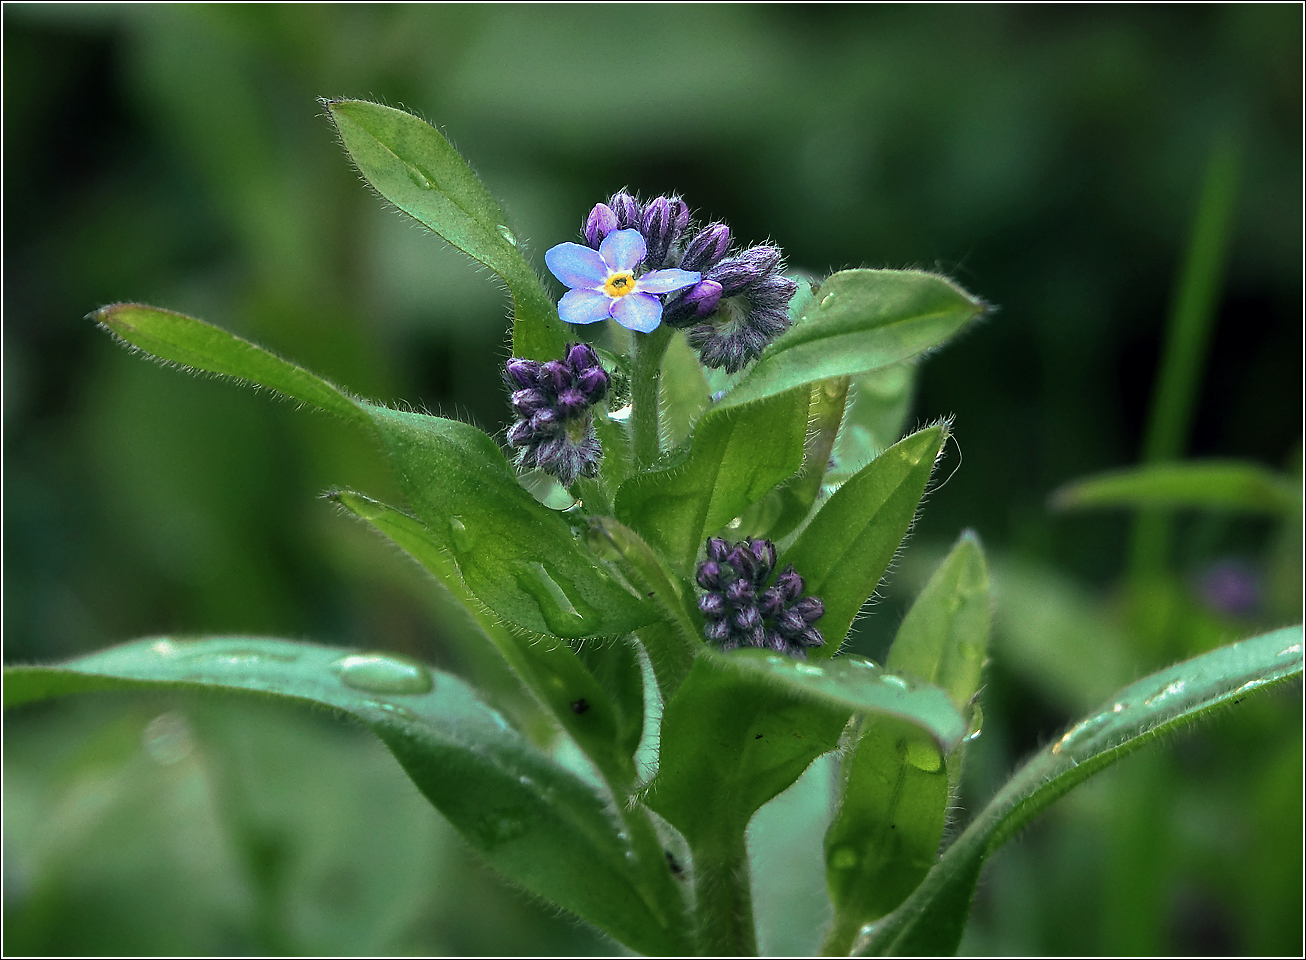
[1047,158]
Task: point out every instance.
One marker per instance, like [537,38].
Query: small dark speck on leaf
[676,869]
[650,594]
[758,737]
[579,706]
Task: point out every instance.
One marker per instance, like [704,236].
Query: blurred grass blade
[540,825]
[931,920]
[844,551]
[859,320]
[412,165]
[197,345]
[1193,484]
[886,833]
[607,730]
[795,498]
[879,403]
[735,457]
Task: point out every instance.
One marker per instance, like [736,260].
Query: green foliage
[1195,484]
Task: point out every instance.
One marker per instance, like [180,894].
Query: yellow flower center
[619,284]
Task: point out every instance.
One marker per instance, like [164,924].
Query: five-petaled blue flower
[603,282]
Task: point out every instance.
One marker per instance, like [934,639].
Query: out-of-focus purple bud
[556,374]
[709,575]
[764,551]
[601,222]
[757,636]
[743,561]
[773,292]
[772,602]
[789,584]
[739,592]
[707,249]
[520,434]
[581,356]
[812,638]
[593,383]
[627,210]
[791,622]
[544,421]
[717,549]
[572,401]
[524,373]
[777,643]
[768,323]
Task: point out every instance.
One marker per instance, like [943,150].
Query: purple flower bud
[660,228]
[524,373]
[772,602]
[717,630]
[810,609]
[812,638]
[581,356]
[601,222]
[757,636]
[707,249]
[698,302]
[520,434]
[717,549]
[572,402]
[764,259]
[593,383]
[733,274]
[526,402]
[777,643]
[789,584]
[773,293]
[679,215]
[747,618]
[739,592]
[544,421]
[768,324]
[709,575]
[764,552]
[713,606]
[791,623]
[627,210]
[556,375]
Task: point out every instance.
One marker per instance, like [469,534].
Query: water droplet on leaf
[894,681]
[383,673]
[923,756]
[1169,691]
[167,738]
[976,726]
[418,177]
[507,234]
[462,539]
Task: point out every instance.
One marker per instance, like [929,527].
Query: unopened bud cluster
[554,430]
[742,607]
[742,301]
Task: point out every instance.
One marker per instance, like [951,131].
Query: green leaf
[931,920]
[878,406]
[735,458]
[844,551]
[886,833]
[197,345]
[411,164]
[859,320]
[793,500]
[517,556]
[540,825]
[745,724]
[606,729]
[1197,484]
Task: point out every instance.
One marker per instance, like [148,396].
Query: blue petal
[667,281]
[640,312]
[584,306]
[623,249]
[576,265]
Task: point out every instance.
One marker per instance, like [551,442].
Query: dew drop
[826,300]
[1119,707]
[462,539]
[383,673]
[976,726]
[498,828]
[164,648]
[1289,651]
[773,659]
[1079,730]
[418,177]
[923,756]
[167,738]
[1169,691]
[621,415]
[507,234]
[808,669]
[398,711]
[845,858]
[893,681]
[557,606]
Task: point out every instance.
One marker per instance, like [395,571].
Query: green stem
[645,384]
[843,934]
[724,902]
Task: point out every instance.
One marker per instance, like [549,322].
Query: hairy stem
[724,901]
[644,387]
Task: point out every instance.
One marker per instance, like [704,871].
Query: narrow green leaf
[540,825]
[517,556]
[1195,484]
[795,498]
[602,726]
[886,833]
[859,320]
[844,551]
[412,165]
[734,458]
[932,919]
[197,345]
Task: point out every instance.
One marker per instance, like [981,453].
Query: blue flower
[604,284]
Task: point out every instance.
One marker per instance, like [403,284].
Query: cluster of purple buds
[743,611]
[742,301]
[555,430]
